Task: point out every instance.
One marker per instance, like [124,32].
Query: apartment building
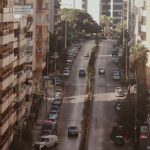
[40,46]
[8,61]
[55,16]
[114,9]
[142,30]
[13,60]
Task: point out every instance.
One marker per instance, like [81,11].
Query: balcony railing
[4,138]
[5,39]
[6,15]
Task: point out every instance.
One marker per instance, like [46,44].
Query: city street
[74,95]
[103,111]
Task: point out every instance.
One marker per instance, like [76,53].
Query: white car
[119,92]
[66,73]
[46,141]
[101,71]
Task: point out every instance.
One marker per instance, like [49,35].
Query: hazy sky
[93,7]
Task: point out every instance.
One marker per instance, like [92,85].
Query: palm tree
[138,59]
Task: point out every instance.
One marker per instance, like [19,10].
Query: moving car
[119,140]
[101,71]
[86,55]
[82,73]
[119,92]
[116,75]
[46,141]
[73,131]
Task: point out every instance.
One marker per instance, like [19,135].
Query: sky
[93,8]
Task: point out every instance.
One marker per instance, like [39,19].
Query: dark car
[82,73]
[119,140]
[73,131]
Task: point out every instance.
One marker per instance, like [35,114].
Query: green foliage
[79,21]
[138,55]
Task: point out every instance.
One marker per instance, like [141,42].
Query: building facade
[13,58]
[114,9]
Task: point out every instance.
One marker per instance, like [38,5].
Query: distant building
[114,9]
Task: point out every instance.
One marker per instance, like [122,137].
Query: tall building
[41,35]
[13,40]
[114,9]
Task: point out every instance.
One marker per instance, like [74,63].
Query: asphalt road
[103,111]
[74,95]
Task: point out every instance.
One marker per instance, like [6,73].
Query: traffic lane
[71,110]
[103,112]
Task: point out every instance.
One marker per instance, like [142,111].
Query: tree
[138,59]
[106,23]
[79,21]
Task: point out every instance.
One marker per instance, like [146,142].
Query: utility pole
[65,34]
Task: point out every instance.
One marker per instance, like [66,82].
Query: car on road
[82,73]
[101,71]
[56,102]
[73,131]
[86,55]
[119,140]
[118,106]
[46,141]
[116,75]
[119,92]
[54,109]
[114,53]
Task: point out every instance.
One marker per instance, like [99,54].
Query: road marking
[75,99]
[104,56]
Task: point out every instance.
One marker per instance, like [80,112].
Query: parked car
[46,141]
[82,73]
[54,109]
[66,72]
[73,131]
[56,102]
[53,116]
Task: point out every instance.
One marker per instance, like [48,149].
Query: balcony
[29,58]
[29,42]
[28,90]
[7,121]
[6,60]
[6,101]
[22,94]
[143,28]
[21,59]
[29,74]
[6,15]
[6,81]
[6,139]
[22,76]
[5,39]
